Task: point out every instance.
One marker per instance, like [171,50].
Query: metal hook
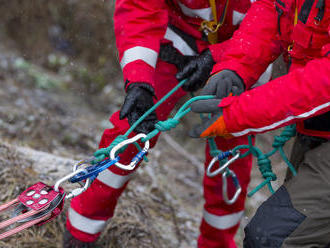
[224,187]
[76,191]
[221,169]
[137,158]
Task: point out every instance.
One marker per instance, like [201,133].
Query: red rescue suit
[303,95]
[140,27]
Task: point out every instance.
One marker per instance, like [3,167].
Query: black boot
[71,242]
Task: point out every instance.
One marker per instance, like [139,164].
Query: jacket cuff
[139,71]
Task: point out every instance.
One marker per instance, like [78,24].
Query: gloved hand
[139,99]
[221,85]
[197,71]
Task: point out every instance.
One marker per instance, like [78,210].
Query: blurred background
[59,82]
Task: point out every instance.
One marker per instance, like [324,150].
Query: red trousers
[89,212]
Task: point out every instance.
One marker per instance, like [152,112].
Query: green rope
[263,160]
[171,123]
[160,126]
[280,141]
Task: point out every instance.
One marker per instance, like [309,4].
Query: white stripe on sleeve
[222,222]
[145,54]
[113,180]
[178,42]
[279,123]
[85,224]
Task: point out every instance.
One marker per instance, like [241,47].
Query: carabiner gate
[137,158]
[76,191]
[232,175]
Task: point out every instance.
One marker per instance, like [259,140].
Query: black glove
[197,71]
[223,84]
[139,99]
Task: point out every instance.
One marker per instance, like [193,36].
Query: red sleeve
[254,45]
[299,95]
[139,27]
[217,50]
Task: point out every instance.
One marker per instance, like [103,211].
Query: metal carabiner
[221,169]
[76,191]
[137,158]
[224,187]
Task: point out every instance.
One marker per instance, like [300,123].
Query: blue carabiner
[138,157]
[94,170]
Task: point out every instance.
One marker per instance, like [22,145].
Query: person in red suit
[155,40]
[297,215]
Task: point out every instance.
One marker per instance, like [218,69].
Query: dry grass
[142,218]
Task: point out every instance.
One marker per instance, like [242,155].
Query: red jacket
[301,94]
[141,26]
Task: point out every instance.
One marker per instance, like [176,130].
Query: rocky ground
[54,106]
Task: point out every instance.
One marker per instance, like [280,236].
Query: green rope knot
[286,135]
[103,153]
[265,168]
[166,125]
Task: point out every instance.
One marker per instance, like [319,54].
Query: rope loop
[103,153]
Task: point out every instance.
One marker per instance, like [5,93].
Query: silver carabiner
[137,158]
[76,191]
[225,190]
[221,169]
